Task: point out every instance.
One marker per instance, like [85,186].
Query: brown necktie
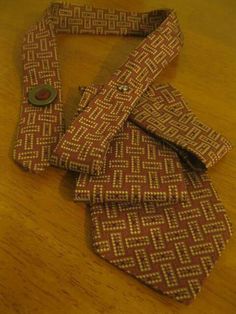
[170,244]
[140,153]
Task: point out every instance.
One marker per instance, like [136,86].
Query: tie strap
[85,143]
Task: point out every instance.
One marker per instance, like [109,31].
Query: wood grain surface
[47,265]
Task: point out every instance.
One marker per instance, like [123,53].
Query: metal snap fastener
[42,95]
[82,88]
[123,88]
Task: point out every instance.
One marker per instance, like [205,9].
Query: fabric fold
[108,110]
[40,138]
[137,169]
[163,112]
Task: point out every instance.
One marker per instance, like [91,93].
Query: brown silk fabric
[137,169]
[171,248]
[85,143]
[163,112]
[140,153]
[169,244]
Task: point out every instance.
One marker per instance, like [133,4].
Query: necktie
[170,244]
[140,153]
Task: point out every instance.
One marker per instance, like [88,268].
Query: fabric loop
[111,108]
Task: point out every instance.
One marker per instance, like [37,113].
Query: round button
[123,88]
[42,95]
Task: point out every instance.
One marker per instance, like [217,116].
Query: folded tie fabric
[171,248]
[140,154]
[137,169]
[170,244]
[162,111]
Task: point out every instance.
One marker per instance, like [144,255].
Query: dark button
[42,95]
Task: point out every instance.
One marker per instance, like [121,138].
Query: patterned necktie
[170,244]
[140,153]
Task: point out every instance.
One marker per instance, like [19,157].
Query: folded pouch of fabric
[137,168]
[163,112]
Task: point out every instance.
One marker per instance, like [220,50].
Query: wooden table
[46,262]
